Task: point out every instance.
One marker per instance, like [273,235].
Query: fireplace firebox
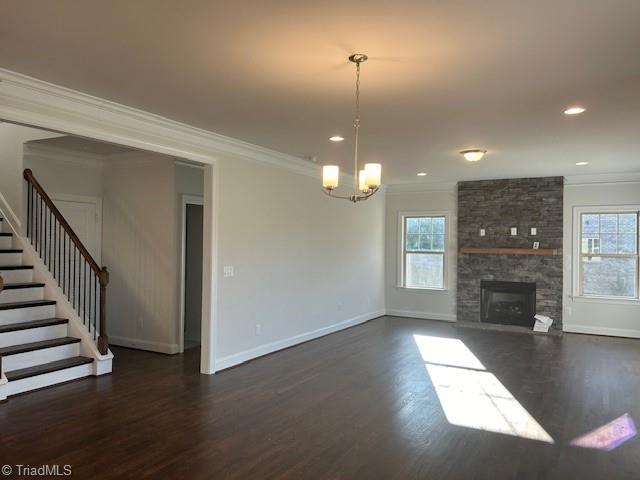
[508,303]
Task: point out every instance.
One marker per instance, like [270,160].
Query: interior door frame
[97,201]
[184,201]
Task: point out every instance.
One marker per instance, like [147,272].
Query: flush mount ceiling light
[582,164]
[422,174]
[576,110]
[336,138]
[473,154]
[366,181]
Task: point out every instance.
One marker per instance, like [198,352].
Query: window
[608,257]
[423,241]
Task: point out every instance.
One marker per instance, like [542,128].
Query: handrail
[101,273]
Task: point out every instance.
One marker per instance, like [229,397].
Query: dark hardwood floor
[358,404]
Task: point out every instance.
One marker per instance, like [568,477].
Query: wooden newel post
[103,340]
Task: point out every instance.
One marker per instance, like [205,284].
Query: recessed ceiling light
[582,164]
[422,174]
[473,154]
[574,110]
[336,138]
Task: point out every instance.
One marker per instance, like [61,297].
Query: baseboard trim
[159,347]
[246,355]
[445,317]
[609,332]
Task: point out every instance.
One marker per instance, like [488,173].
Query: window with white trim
[423,255]
[608,259]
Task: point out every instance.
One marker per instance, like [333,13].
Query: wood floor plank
[358,404]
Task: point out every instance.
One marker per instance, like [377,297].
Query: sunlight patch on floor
[472,397]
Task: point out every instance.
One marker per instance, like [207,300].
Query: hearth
[507,303]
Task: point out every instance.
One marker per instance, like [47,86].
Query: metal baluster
[50,239]
[95,305]
[29,211]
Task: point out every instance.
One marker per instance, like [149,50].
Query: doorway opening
[191,272]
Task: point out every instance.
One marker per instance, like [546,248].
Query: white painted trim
[448,255]
[446,317]
[34,102]
[9,215]
[208,334]
[184,201]
[574,257]
[30,101]
[160,347]
[246,355]
[601,178]
[610,332]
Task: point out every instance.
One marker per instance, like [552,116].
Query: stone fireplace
[494,208]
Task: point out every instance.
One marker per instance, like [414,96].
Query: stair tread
[47,368]
[26,304]
[47,322]
[29,347]
[10,250]
[19,285]
[16,267]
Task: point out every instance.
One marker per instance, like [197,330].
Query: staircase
[39,346]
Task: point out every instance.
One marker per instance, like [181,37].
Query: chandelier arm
[329,194]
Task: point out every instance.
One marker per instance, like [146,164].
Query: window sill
[612,300]
[422,290]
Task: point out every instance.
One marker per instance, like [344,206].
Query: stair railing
[81,279]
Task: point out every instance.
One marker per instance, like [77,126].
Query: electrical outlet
[258,329]
[482,232]
[228,271]
[534,231]
[514,231]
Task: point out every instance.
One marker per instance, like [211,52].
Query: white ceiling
[443,76]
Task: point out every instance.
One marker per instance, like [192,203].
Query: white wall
[140,251]
[12,140]
[437,305]
[64,172]
[304,264]
[588,315]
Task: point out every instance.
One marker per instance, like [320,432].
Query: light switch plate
[534,231]
[482,232]
[514,231]
[228,271]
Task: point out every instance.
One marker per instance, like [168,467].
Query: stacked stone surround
[496,206]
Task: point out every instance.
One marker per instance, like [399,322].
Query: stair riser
[18,315]
[6,242]
[48,379]
[17,276]
[21,295]
[10,259]
[30,335]
[37,357]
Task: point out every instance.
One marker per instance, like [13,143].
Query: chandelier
[366,181]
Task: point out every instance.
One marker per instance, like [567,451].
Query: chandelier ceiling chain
[366,181]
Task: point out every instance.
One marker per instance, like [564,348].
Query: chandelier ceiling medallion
[366,181]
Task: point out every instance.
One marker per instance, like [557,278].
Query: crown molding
[601,178]
[63,155]
[404,188]
[30,101]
